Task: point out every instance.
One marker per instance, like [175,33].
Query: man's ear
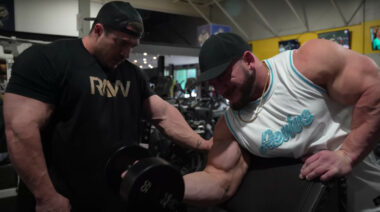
[98,29]
[248,58]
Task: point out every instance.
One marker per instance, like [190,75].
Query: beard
[245,92]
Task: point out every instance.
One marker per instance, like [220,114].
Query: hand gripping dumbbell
[150,184]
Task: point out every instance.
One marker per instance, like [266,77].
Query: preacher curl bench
[273,185]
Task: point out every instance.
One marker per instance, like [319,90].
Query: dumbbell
[151,184]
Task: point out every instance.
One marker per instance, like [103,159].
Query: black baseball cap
[118,15]
[218,52]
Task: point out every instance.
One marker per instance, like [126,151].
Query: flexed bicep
[226,166]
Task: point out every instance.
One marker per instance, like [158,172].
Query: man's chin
[239,104]
[113,65]
[236,106]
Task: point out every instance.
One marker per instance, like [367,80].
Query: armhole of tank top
[271,79]
[304,79]
[230,127]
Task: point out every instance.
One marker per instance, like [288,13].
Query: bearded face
[236,84]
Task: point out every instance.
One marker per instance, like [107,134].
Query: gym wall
[360,41]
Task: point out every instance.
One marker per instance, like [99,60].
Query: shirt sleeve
[33,76]
[146,90]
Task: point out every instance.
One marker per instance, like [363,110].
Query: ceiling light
[135,61]
[141,66]
[145,54]
[154,58]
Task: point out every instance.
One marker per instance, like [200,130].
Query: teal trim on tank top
[229,126]
[302,77]
[271,79]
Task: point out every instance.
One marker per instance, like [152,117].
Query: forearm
[176,128]
[215,185]
[365,126]
[28,160]
[358,144]
[226,166]
[171,122]
[203,189]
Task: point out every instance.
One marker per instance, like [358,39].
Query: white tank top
[297,117]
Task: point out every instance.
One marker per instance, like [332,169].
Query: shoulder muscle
[344,73]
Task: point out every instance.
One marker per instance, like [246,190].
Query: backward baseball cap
[218,52]
[118,15]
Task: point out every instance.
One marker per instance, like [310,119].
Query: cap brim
[213,72]
[89,19]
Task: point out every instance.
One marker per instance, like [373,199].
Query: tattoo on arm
[199,142]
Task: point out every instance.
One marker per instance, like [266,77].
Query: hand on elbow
[205,145]
[326,165]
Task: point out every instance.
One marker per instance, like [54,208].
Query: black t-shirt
[95,112]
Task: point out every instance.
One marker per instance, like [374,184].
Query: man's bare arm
[24,117]
[227,164]
[171,122]
[350,79]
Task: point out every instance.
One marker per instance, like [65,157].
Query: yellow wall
[269,47]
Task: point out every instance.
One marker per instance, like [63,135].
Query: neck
[261,81]
[88,44]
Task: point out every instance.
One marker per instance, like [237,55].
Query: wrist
[203,145]
[44,193]
[346,156]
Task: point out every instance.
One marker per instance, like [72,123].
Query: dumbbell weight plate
[152,185]
[120,161]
